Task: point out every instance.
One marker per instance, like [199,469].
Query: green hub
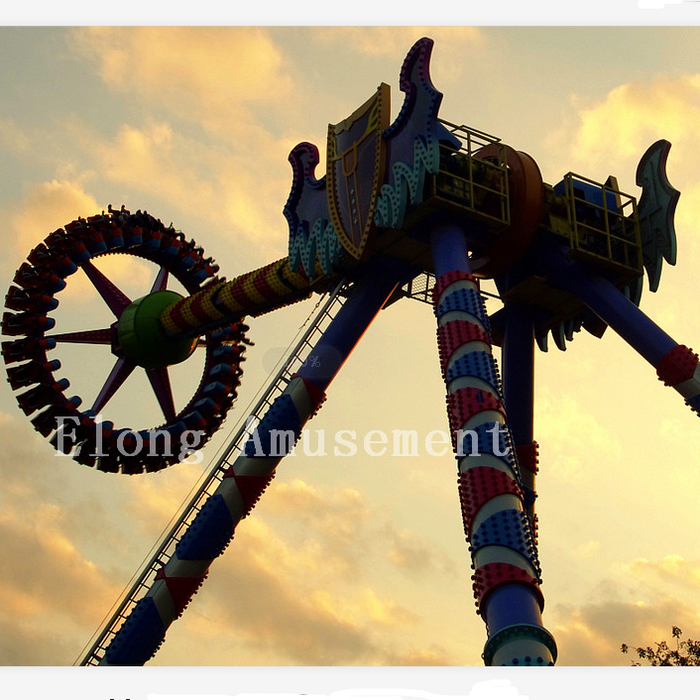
[143,340]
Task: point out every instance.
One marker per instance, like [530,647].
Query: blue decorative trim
[139,637]
[281,417]
[320,244]
[469,300]
[210,532]
[408,182]
[508,528]
[479,364]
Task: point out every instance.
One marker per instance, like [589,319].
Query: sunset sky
[345,561]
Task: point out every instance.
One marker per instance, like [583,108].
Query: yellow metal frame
[611,237]
[480,187]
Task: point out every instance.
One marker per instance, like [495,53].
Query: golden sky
[345,561]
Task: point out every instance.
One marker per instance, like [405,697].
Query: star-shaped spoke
[160,381]
[119,374]
[161,281]
[100,336]
[115,299]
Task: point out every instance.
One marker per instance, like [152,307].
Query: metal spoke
[113,296]
[161,280]
[119,374]
[101,336]
[160,381]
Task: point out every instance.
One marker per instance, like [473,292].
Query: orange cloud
[43,206]
[210,75]
[620,127]
[389,41]
[50,587]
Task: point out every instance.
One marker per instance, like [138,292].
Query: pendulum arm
[676,365]
[244,482]
[504,554]
[250,294]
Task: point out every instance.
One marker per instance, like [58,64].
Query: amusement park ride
[402,207]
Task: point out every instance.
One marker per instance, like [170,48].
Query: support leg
[518,367]
[504,555]
[676,365]
[243,484]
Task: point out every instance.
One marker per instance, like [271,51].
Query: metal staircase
[296,358]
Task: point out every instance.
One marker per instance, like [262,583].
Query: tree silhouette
[686,653]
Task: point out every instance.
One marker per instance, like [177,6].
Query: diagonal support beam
[211,531]
[676,365]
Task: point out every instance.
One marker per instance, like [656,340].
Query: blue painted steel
[135,641]
[479,364]
[282,416]
[213,527]
[590,193]
[206,407]
[366,299]
[221,335]
[468,300]
[512,605]
[492,439]
[694,403]
[508,528]
[210,532]
[610,304]
[216,390]
[225,352]
[518,366]
[449,248]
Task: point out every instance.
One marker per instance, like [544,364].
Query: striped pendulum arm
[502,544]
[244,482]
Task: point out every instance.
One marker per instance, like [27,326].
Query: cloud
[45,204]
[672,575]
[389,41]
[637,607]
[620,127]
[46,568]
[279,601]
[50,205]
[50,587]
[416,556]
[570,431]
[592,634]
[295,588]
[29,645]
[209,75]
[434,655]
[228,189]
[340,515]
[224,189]
[158,161]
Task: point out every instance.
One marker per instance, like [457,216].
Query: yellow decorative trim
[227,299]
[250,290]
